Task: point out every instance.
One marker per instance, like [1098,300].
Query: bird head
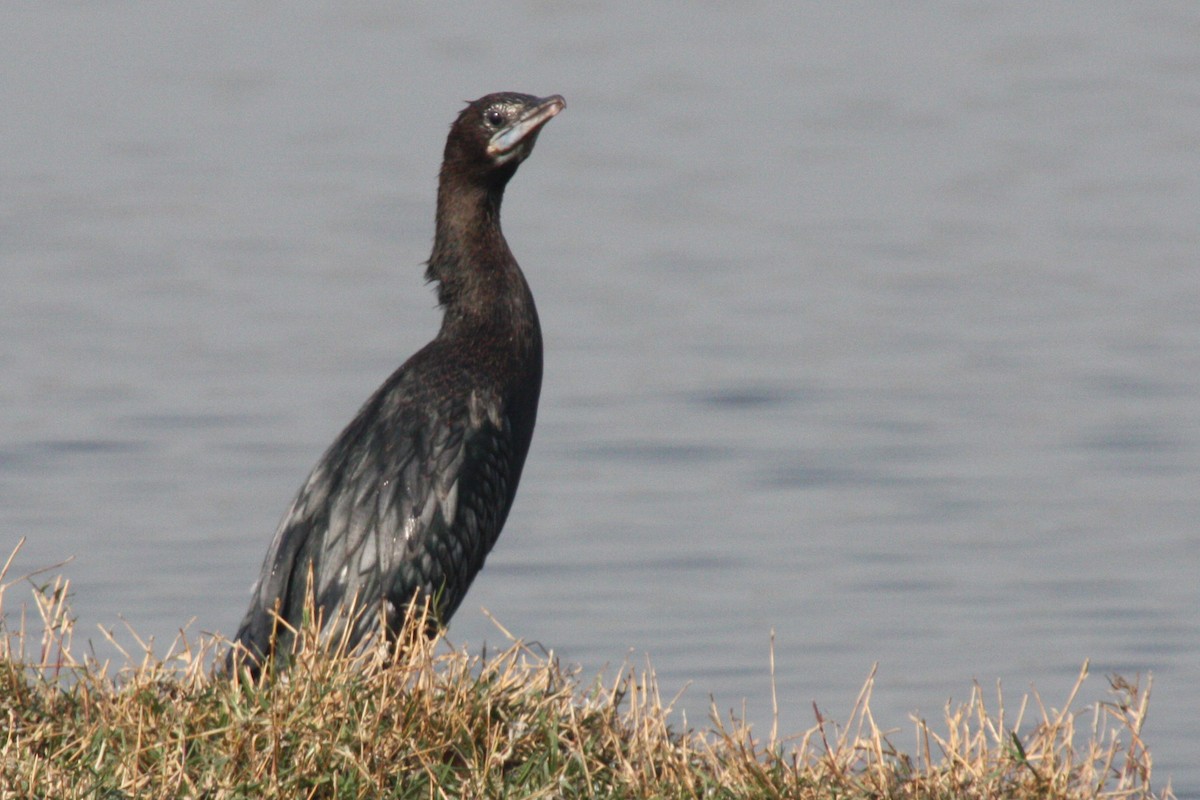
[495,133]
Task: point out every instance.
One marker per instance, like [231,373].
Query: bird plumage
[412,495]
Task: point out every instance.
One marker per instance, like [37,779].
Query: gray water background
[873,325]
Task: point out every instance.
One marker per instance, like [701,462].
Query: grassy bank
[428,720]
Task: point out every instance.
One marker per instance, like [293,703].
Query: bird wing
[409,498]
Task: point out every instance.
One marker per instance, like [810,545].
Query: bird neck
[480,284]
[468,225]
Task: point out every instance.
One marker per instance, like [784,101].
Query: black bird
[409,499]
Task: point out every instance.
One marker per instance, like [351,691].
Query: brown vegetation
[425,720]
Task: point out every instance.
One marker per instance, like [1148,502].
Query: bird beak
[506,140]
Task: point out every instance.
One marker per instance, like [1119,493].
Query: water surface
[875,327]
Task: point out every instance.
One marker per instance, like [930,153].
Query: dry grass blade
[421,719]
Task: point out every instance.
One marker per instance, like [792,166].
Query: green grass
[427,720]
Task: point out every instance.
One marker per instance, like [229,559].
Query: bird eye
[494,116]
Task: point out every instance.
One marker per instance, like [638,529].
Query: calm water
[875,326]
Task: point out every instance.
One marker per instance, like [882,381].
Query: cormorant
[409,499]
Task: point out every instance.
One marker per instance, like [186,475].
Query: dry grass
[425,720]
